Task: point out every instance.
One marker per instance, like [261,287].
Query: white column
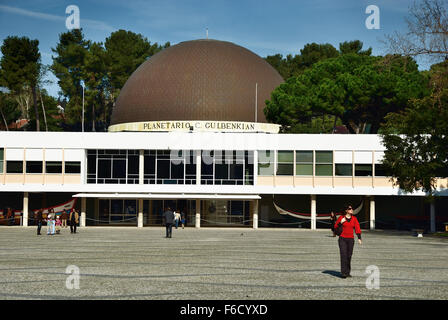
[372,213]
[198,214]
[433,217]
[255,158]
[83,212]
[313,212]
[255,214]
[141,166]
[140,214]
[198,166]
[25,210]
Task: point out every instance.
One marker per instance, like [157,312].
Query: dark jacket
[168,216]
[39,217]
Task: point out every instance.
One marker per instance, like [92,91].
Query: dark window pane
[163,169]
[343,169]
[91,164]
[150,164]
[73,167]
[34,167]
[177,171]
[285,169]
[14,166]
[206,169]
[304,156]
[236,171]
[190,169]
[363,170]
[221,171]
[119,169]
[53,167]
[104,169]
[133,164]
[324,156]
[324,170]
[380,171]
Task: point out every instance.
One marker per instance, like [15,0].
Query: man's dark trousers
[73,226]
[39,226]
[169,229]
[346,250]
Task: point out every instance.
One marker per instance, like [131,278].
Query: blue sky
[265,27]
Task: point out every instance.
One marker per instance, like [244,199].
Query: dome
[197,80]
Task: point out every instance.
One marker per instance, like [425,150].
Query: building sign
[196,126]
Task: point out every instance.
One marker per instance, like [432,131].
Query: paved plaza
[217,264]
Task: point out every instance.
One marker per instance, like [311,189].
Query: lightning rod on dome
[206,33]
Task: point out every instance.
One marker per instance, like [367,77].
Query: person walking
[176,218]
[182,219]
[50,222]
[346,240]
[64,217]
[38,218]
[74,219]
[168,216]
[10,216]
[333,219]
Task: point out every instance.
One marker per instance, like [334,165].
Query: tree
[416,139]
[354,46]
[359,90]
[20,65]
[68,66]
[427,33]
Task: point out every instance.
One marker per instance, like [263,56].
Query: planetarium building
[188,132]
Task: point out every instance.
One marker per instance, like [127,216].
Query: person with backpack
[344,227]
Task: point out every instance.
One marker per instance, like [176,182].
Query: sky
[264,27]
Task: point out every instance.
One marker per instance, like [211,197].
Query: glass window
[343,169]
[14,166]
[34,167]
[1,159]
[380,170]
[324,163]
[266,163]
[72,167]
[363,170]
[304,163]
[53,167]
[285,163]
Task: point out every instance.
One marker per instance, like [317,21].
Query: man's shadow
[333,273]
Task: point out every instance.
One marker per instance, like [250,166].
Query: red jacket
[348,226]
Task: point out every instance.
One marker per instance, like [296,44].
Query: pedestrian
[182,217]
[168,216]
[10,216]
[176,218]
[38,218]
[346,240]
[74,219]
[64,217]
[50,222]
[58,224]
[333,219]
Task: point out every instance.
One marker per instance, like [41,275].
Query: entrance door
[118,211]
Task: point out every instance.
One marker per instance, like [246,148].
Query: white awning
[161,196]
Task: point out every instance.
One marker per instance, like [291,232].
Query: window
[363,170]
[343,169]
[53,167]
[72,167]
[285,163]
[304,163]
[14,166]
[34,167]
[149,167]
[266,163]
[379,170]
[113,166]
[324,163]
[2,153]
[226,167]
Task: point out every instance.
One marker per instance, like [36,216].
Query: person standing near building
[64,217]
[333,219]
[38,218]
[74,219]
[346,239]
[182,218]
[168,216]
[176,218]
[50,222]
[10,216]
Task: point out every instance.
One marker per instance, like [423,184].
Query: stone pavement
[217,264]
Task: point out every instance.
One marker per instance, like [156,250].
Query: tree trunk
[93,116]
[4,120]
[43,110]
[36,111]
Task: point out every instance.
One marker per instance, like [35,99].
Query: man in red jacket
[346,241]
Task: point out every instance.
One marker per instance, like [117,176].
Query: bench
[419,232]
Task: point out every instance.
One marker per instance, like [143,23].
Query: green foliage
[416,139]
[358,89]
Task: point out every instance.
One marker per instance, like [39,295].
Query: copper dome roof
[197,80]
